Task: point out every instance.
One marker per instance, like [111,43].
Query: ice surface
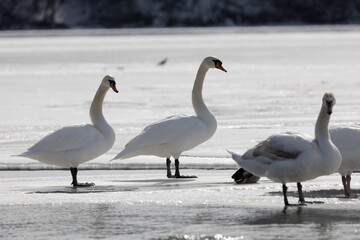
[274,83]
[139,204]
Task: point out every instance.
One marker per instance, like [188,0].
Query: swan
[173,135]
[346,139]
[291,157]
[70,146]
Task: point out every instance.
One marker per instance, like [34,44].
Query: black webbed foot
[310,202]
[87,184]
[182,176]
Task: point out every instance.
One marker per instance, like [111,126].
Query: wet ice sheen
[143,221]
[139,204]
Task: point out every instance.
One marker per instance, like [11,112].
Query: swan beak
[329,110]
[113,86]
[218,66]
[329,107]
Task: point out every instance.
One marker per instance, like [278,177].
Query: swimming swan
[176,134]
[70,146]
[291,157]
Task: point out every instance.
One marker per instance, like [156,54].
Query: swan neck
[322,125]
[96,115]
[200,108]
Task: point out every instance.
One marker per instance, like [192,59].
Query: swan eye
[217,62]
[113,85]
[218,65]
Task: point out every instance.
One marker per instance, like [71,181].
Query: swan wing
[166,130]
[67,139]
[281,146]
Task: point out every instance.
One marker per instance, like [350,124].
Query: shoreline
[177,30]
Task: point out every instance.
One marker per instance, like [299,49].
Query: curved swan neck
[96,115]
[202,112]
[322,124]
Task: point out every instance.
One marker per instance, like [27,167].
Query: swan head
[329,102]
[109,81]
[213,62]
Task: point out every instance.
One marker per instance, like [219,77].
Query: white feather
[173,135]
[291,157]
[73,145]
[347,140]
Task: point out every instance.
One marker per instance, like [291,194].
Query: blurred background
[46,14]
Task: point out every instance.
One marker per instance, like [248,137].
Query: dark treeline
[34,14]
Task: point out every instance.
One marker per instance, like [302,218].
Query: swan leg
[346,190]
[177,171]
[177,168]
[348,180]
[168,170]
[287,204]
[301,196]
[75,183]
[346,183]
[284,188]
[74,174]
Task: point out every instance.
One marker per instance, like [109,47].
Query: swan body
[70,146]
[291,157]
[173,135]
[347,140]
[169,137]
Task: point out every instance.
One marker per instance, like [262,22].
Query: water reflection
[158,221]
[322,193]
[307,215]
[97,227]
[77,190]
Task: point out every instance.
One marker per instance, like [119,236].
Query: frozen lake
[276,78]
[138,204]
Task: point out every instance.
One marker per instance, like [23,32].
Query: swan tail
[126,153]
[117,157]
[24,154]
[236,157]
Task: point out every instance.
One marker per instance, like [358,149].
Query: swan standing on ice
[70,146]
[176,134]
[292,157]
[346,139]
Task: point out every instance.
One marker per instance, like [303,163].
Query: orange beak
[113,86]
[218,65]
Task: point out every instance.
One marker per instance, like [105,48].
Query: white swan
[176,134]
[70,146]
[292,157]
[347,140]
